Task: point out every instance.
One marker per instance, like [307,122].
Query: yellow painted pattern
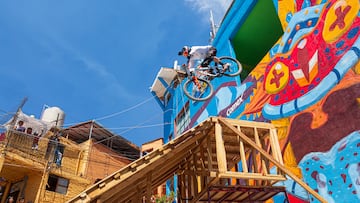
[357,68]
[282,127]
[333,28]
[290,161]
[285,7]
[277,79]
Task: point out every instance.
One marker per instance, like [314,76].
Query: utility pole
[12,123]
[213,28]
[8,133]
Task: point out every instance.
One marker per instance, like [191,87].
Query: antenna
[213,29]
[12,123]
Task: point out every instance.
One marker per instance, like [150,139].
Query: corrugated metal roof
[92,130]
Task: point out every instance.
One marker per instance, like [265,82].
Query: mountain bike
[198,86]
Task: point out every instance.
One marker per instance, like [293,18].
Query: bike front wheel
[199,90]
[234,68]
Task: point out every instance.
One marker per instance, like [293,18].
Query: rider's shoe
[226,66]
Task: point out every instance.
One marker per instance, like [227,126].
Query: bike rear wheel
[199,90]
[235,67]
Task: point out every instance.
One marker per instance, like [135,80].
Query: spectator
[29,131]
[35,144]
[58,156]
[20,127]
[21,200]
[10,199]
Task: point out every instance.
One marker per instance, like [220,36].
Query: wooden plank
[277,146]
[250,124]
[195,179]
[253,176]
[258,142]
[209,153]
[148,187]
[203,169]
[220,149]
[242,154]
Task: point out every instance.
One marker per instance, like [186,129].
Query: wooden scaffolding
[219,160]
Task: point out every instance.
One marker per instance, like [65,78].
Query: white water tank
[53,115]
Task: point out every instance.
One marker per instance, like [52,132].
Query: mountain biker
[200,55]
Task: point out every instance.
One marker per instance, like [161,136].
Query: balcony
[17,144]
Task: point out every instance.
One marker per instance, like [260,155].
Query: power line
[117,113]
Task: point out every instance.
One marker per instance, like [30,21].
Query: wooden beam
[220,149]
[242,154]
[254,176]
[275,162]
[148,186]
[273,134]
[258,142]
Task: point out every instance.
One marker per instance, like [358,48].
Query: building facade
[59,163]
[301,72]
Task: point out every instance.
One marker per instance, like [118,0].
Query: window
[57,184]
[182,121]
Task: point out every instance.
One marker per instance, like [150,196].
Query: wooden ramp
[220,160]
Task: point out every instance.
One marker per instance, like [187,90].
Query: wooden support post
[148,187]
[273,134]
[138,196]
[195,177]
[203,169]
[258,142]
[182,184]
[6,191]
[242,154]
[189,182]
[220,149]
[255,167]
[273,148]
[209,153]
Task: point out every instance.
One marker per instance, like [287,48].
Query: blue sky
[97,59]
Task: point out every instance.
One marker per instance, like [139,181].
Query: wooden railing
[22,144]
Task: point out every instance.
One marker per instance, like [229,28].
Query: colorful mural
[308,85]
[311,86]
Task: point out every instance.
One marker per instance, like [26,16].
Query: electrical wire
[132,128]
[116,113]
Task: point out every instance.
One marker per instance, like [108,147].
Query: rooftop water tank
[53,115]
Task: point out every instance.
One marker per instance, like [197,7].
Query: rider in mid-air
[200,55]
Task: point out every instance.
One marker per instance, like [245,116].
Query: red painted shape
[295,199]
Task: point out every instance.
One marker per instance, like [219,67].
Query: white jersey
[197,55]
